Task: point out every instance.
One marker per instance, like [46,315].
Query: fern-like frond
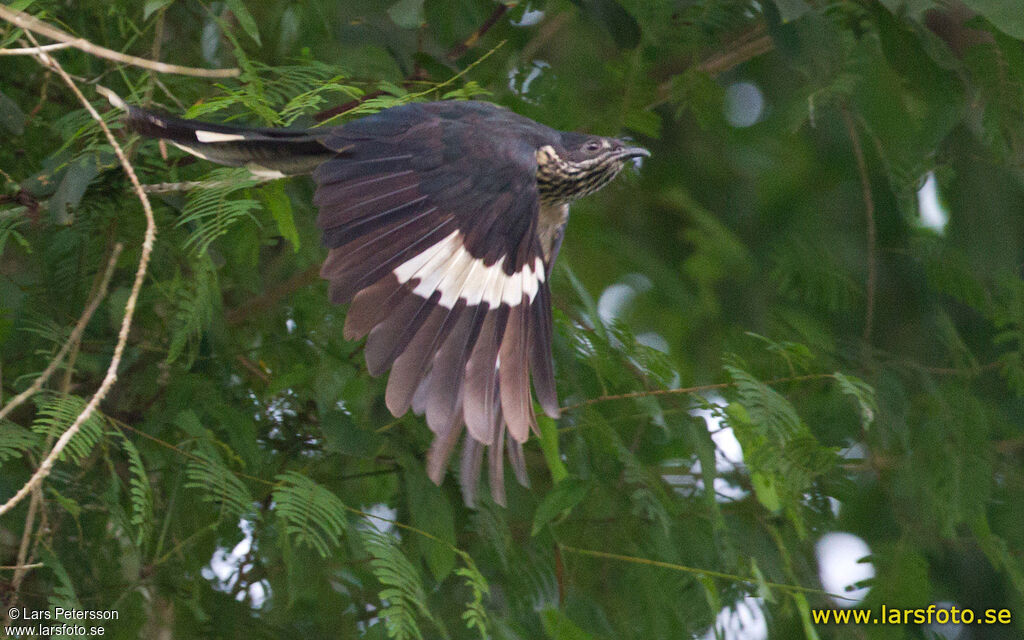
[766,406]
[139,490]
[311,513]
[211,211]
[14,440]
[10,220]
[316,98]
[218,484]
[293,89]
[63,594]
[195,300]
[863,393]
[57,413]
[475,614]
[403,597]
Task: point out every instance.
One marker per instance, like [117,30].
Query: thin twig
[460,49]
[700,572]
[26,537]
[37,503]
[750,44]
[269,299]
[31,51]
[76,335]
[18,567]
[975,370]
[129,310]
[32,24]
[744,51]
[689,390]
[869,217]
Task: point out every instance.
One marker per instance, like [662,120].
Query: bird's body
[442,222]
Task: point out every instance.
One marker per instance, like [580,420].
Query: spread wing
[432,230]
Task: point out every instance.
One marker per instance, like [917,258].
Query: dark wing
[430,213]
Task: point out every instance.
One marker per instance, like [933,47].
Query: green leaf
[403,598]
[914,8]
[311,513]
[280,205]
[863,393]
[549,445]
[218,485]
[245,19]
[343,435]
[560,500]
[140,490]
[12,118]
[766,491]
[14,440]
[623,27]
[432,513]
[72,187]
[810,633]
[791,9]
[558,626]
[1005,15]
[57,413]
[152,6]
[407,14]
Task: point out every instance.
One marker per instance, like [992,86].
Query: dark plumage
[442,221]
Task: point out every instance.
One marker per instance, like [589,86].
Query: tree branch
[35,565]
[129,310]
[271,297]
[31,51]
[32,24]
[460,49]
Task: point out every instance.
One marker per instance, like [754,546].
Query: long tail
[271,152]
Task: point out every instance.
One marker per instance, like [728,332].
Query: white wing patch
[449,268]
[198,154]
[213,136]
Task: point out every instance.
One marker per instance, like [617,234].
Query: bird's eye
[593,146]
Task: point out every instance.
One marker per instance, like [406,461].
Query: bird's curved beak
[635,152]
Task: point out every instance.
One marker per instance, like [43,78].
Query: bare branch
[743,50]
[31,51]
[129,310]
[35,565]
[26,538]
[460,49]
[32,24]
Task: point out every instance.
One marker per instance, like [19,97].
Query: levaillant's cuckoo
[442,222]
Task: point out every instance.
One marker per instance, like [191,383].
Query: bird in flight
[442,221]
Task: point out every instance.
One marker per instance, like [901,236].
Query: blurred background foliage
[827,241]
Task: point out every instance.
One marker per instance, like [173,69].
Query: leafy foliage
[311,513]
[218,484]
[402,597]
[803,315]
[140,491]
[211,211]
[57,413]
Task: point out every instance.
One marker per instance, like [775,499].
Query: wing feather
[434,241]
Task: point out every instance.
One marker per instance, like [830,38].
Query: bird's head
[583,165]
